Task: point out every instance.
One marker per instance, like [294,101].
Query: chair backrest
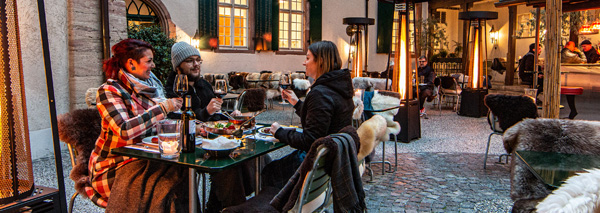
[316,189]
[251,100]
[510,109]
[448,82]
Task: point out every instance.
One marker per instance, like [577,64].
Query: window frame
[305,31]
[250,29]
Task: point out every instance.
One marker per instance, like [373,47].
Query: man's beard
[193,78]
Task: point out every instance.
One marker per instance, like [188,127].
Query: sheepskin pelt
[264,77]
[384,100]
[297,75]
[252,77]
[90,97]
[511,109]
[580,193]
[301,84]
[358,108]
[237,80]
[254,99]
[371,132]
[275,77]
[370,83]
[80,129]
[545,135]
[210,78]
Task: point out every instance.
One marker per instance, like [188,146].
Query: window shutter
[275,19]
[263,23]
[385,21]
[315,24]
[208,20]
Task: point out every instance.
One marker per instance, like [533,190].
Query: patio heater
[358,43]
[472,95]
[402,81]
[16,175]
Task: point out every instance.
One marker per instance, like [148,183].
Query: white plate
[148,140]
[263,131]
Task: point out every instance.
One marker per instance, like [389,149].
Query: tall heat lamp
[358,43]
[402,81]
[472,96]
[16,175]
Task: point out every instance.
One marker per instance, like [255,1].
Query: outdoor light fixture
[195,40]
[472,96]
[586,29]
[16,175]
[358,43]
[402,78]
[494,36]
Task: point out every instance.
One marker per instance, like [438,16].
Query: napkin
[220,143]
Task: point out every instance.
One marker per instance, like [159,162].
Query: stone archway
[163,15]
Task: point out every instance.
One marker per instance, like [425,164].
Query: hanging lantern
[472,96]
[16,175]
[358,43]
[195,40]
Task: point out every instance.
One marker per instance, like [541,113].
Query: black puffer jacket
[326,110]
[202,92]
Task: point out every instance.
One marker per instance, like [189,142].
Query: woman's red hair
[123,51]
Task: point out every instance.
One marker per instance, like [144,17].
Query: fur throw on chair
[580,193]
[80,129]
[545,135]
[371,132]
[90,97]
[511,109]
[370,83]
[383,100]
[254,99]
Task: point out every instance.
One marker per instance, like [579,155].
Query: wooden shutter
[208,21]
[315,23]
[385,21]
[263,24]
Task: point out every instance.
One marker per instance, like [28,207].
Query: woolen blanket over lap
[144,186]
[342,167]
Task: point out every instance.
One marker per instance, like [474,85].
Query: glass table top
[554,168]
[202,162]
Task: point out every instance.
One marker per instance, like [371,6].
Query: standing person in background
[186,60]
[425,90]
[591,54]
[327,108]
[570,54]
[130,103]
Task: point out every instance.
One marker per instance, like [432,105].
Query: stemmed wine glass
[181,86]
[284,83]
[220,89]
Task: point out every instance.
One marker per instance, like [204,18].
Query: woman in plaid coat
[130,104]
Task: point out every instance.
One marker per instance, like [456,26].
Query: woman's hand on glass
[274,127]
[214,105]
[290,96]
[172,104]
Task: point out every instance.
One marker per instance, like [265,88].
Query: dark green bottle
[188,129]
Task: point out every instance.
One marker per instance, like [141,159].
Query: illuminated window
[233,23]
[140,13]
[291,23]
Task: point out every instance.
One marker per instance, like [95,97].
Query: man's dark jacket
[326,110]
[201,94]
[592,56]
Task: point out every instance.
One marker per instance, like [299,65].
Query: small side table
[571,92]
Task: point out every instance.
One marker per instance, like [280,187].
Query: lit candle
[170,147]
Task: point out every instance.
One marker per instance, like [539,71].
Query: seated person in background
[425,91]
[389,70]
[570,54]
[591,54]
[526,68]
[186,60]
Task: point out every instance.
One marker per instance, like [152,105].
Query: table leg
[257,174]
[193,191]
[571,102]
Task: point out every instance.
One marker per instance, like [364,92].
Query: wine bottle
[189,127]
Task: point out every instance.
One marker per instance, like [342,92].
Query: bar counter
[588,77]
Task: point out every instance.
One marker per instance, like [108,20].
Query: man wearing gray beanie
[186,60]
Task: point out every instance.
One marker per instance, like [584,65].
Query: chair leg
[395,153]
[487,149]
[72,202]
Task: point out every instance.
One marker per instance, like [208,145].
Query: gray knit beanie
[180,51]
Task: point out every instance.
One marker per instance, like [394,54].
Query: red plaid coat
[127,117]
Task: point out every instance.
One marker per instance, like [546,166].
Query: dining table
[200,162]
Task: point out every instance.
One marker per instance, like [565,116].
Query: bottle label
[192,129]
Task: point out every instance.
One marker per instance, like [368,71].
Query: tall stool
[571,92]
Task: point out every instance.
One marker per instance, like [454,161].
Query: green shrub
[162,45]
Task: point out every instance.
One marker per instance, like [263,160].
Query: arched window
[140,13]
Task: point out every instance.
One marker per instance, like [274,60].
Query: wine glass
[220,89]
[181,86]
[284,84]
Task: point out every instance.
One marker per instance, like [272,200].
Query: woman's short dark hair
[123,51]
[326,56]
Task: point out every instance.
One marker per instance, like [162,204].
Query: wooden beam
[435,4]
[509,78]
[465,44]
[581,6]
[552,63]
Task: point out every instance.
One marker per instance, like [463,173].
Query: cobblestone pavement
[439,182]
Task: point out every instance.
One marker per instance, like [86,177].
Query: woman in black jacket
[327,108]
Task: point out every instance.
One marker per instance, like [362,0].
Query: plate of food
[153,140]
[220,127]
[265,131]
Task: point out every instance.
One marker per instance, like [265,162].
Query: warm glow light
[475,75]
[585,29]
[596,25]
[402,89]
